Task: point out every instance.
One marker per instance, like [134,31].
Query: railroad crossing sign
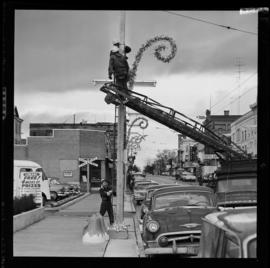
[87,161]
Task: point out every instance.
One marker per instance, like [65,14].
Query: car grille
[182,238]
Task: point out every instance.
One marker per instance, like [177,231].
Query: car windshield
[143,186]
[139,177]
[252,248]
[237,185]
[183,199]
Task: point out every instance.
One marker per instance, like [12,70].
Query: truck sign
[31,184]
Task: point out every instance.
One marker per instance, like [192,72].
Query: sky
[59,52]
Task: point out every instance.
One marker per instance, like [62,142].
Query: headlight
[152,226]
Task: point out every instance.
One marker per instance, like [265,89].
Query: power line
[244,93]
[209,22]
[231,91]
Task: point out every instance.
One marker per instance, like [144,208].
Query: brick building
[45,129]
[59,154]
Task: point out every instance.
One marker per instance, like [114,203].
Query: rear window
[237,185]
[183,199]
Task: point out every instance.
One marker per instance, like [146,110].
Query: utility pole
[121,138]
[121,152]
[239,64]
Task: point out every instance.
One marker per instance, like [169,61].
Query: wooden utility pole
[120,138]
[121,152]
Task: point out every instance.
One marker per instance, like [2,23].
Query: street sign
[88,161]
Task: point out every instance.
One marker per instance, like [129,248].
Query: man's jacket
[103,193]
[118,65]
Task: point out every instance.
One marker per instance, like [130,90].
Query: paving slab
[56,236]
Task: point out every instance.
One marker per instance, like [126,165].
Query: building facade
[17,127]
[46,129]
[244,131]
[186,159]
[219,124]
[60,153]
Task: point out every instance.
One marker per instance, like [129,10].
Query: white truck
[29,178]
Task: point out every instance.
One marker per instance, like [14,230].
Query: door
[95,175]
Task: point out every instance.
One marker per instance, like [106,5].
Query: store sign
[31,184]
[68,173]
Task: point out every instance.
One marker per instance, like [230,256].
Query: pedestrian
[131,183]
[118,67]
[106,203]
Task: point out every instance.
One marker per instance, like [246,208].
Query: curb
[71,202]
[25,219]
[139,238]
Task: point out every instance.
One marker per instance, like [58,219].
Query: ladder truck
[236,179]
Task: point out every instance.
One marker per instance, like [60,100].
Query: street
[167,180]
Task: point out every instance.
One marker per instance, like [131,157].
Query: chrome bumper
[172,250]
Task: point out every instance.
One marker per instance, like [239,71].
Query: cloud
[57,51]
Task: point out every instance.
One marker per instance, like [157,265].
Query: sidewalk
[60,234]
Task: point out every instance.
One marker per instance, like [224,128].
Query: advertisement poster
[31,184]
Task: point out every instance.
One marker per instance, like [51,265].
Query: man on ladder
[119,68]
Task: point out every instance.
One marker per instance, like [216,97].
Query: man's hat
[117,44]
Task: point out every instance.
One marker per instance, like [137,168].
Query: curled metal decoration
[143,124]
[137,139]
[157,54]
[133,148]
[134,143]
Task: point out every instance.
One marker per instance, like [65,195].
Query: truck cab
[20,166]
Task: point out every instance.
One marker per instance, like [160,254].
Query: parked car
[239,186]
[207,178]
[187,176]
[148,195]
[59,189]
[229,234]
[138,176]
[178,173]
[20,166]
[140,189]
[172,225]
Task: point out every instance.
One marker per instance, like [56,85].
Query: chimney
[226,112]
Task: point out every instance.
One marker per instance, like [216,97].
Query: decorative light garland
[157,54]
